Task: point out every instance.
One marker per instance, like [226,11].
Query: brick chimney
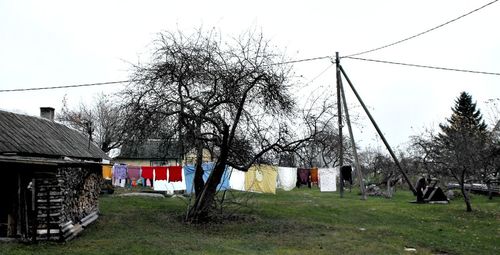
[47,113]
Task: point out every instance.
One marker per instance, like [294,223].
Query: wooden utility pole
[339,113]
[396,161]
[359,173]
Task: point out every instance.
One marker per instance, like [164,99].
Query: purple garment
[134,173]
[304,175]
[120,171]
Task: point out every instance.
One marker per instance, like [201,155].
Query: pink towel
[134,173]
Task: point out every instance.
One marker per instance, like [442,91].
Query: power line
[316,77]
[424,32]
[320,74]
[423,66]
[127,81]
[67,86]
[303,60]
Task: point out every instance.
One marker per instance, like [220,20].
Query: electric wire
[424,32]
[319,75]
[313,79]
[302,60]
[321,86]
[423,66]
[67,86]
[128,81]
[351,56]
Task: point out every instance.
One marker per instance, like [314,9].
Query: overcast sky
[52,43]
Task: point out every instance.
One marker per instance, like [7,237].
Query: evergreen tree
[461,144]
[465,119]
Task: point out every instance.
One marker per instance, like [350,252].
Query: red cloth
[175,174]
[147,172]
[160,173]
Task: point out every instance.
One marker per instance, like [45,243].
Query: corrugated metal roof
[28,135]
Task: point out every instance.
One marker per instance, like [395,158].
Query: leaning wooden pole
[339,113]
[359,173]
[378,131]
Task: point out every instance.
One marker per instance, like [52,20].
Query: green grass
[297,222]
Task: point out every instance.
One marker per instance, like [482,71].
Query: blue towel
[189,171]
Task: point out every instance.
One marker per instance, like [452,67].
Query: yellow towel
[261,178]
[106,172]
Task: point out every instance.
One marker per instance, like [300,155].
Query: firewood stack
[81,189]
[49,208]
[66,202]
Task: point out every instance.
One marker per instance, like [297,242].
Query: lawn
[302,221]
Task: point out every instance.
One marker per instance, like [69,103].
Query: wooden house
[158,152]
[151,152]
[51,178]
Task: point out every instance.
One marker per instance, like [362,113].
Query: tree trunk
[389,188]
[461,182]
[203,204]
[198,177]
[466,197]
[490,191]
[198,174]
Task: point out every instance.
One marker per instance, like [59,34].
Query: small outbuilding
[51,178]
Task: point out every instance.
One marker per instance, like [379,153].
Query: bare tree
[232,95]
[493,114]
[322,151]
[380,169]
[492,164]
[101,120]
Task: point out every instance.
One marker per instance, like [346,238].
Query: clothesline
[259,178]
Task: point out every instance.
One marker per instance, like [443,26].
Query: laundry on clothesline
[287,178]
[258,178]
[189,171]
[261,179]
[328,179]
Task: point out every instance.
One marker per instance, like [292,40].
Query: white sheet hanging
[161,185]
[328,179]
[287,178]
[237,180]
